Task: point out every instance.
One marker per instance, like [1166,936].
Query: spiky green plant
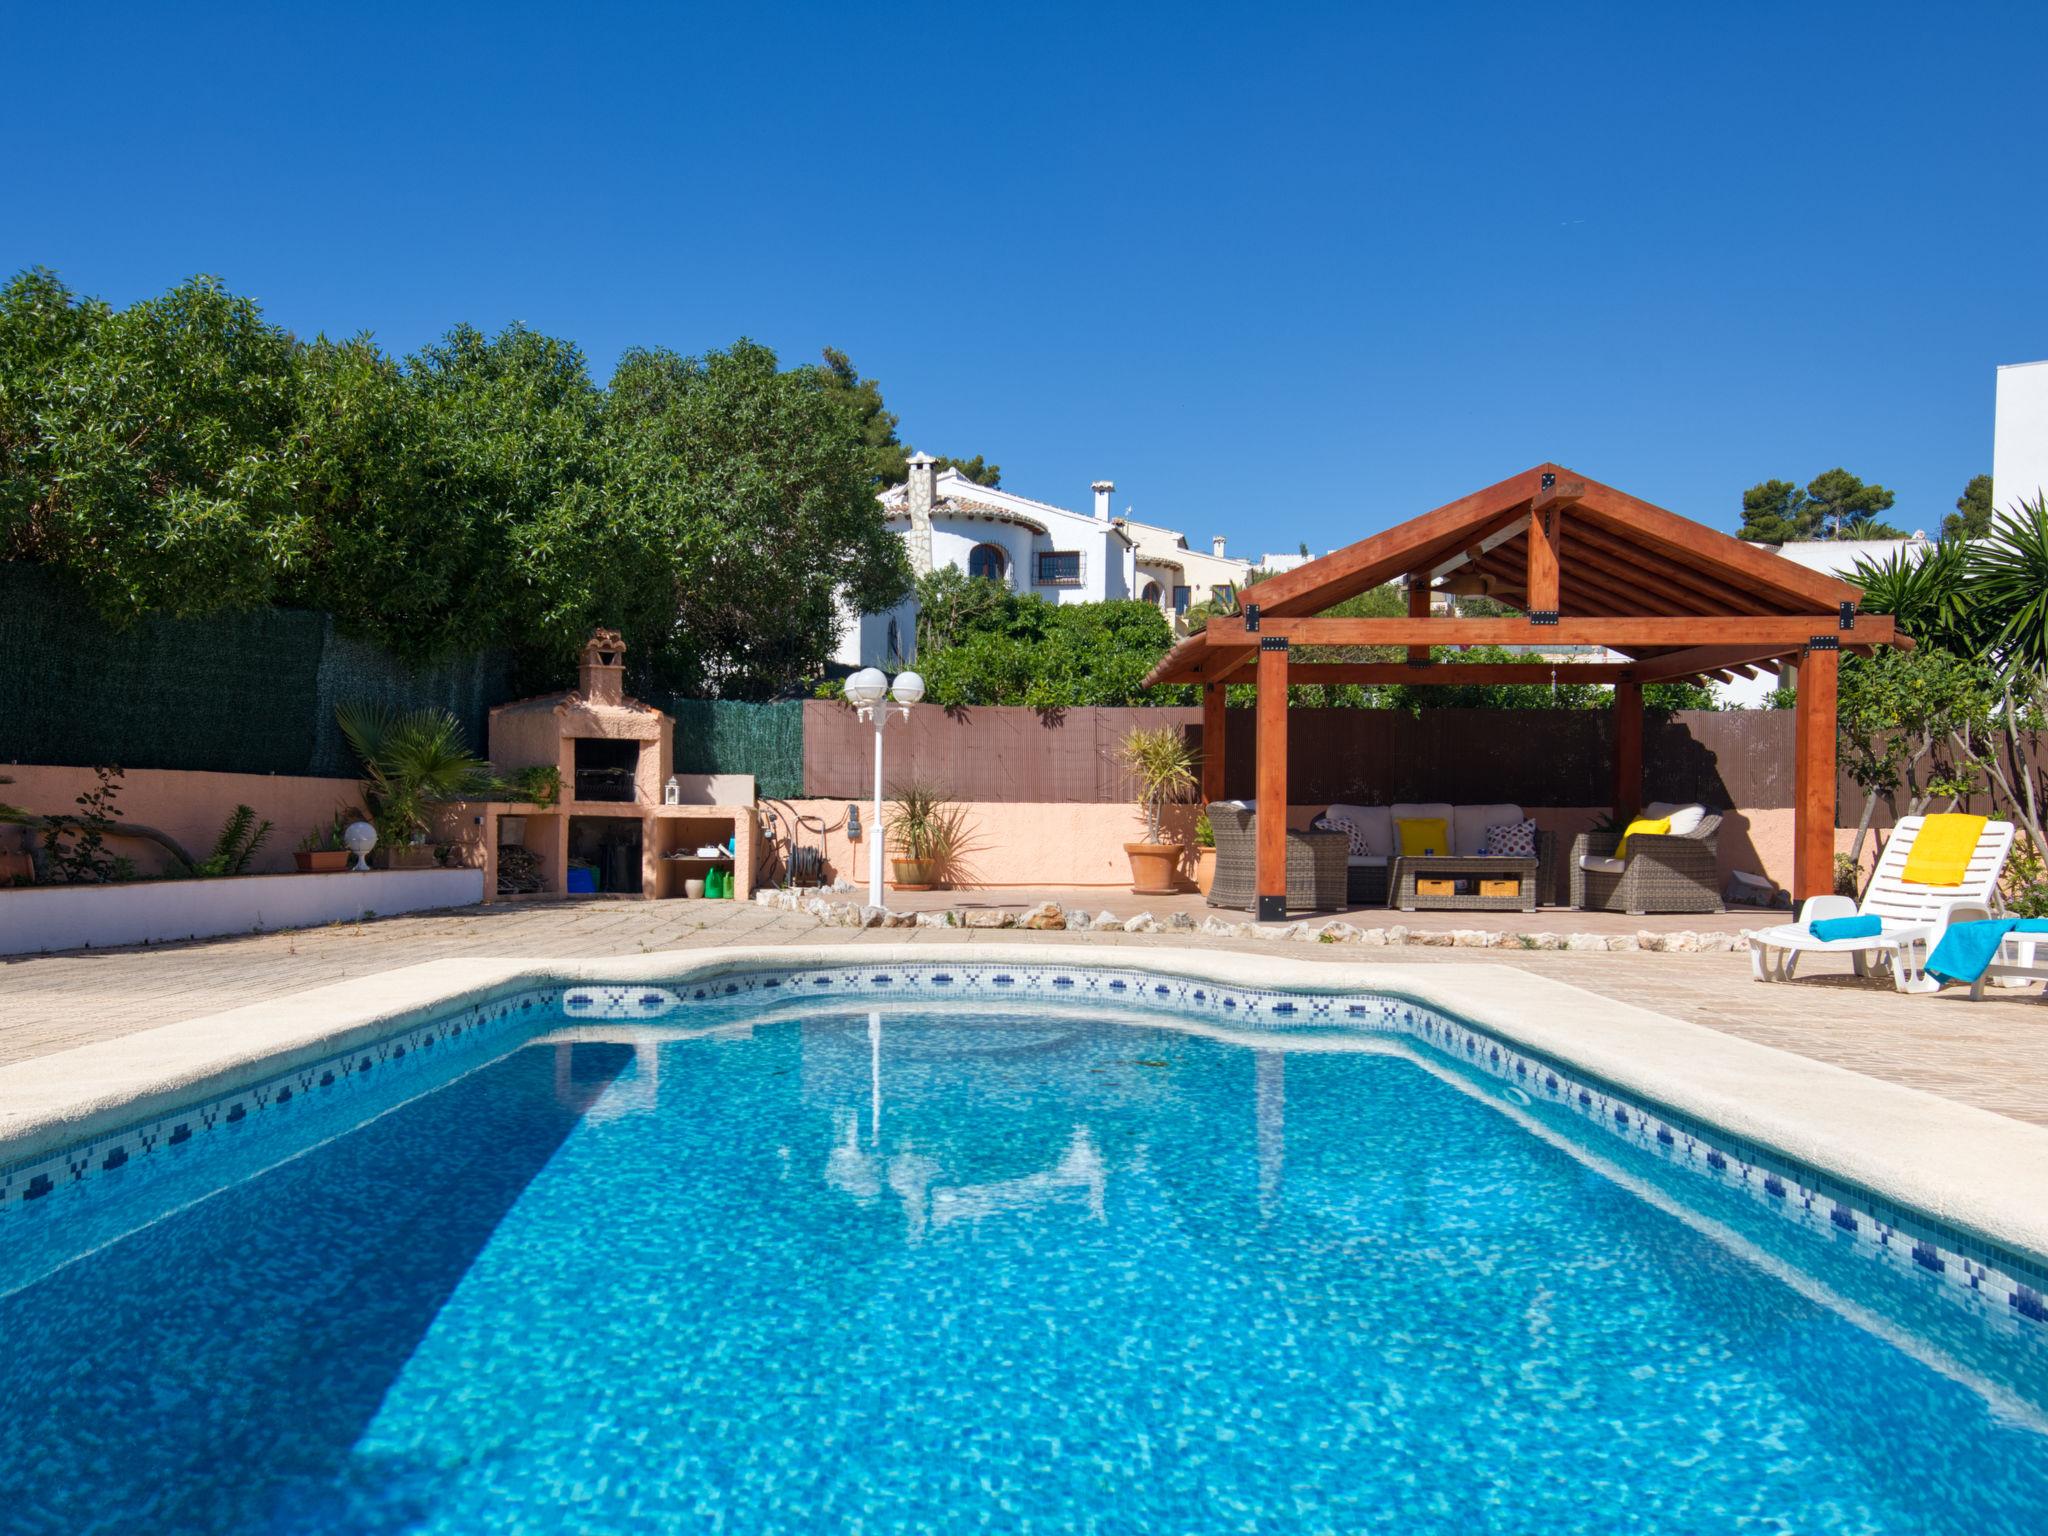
[1163,764]
[412,761]
[240,838]
[2009,581]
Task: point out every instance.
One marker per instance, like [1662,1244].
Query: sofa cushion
[1373,824]
[1366,861]
[1469,824]
[1601,866]
[1433,811]
[1511,839]
[1685,819]
[1422,836]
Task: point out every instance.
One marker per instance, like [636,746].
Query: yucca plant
[412,761]
[2009,583]
[1931,595]
[1160,759]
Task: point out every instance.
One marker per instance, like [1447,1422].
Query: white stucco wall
[39,918]
[2019,444]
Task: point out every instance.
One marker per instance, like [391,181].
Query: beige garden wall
[189,807]
[1011,843]
[1081,844]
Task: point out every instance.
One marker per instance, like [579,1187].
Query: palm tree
[412,760]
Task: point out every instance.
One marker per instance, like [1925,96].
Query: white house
[947,520]
[2019,436]
[1173,575]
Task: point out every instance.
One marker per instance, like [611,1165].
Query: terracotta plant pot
[1152,867]
[1205,869]
[322,861]
[913,874]
[406,856]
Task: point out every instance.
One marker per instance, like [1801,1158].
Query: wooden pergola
[1589,566]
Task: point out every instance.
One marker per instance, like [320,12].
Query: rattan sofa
[1315,863]
[1664,872]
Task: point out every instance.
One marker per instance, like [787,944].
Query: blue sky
[1284,273]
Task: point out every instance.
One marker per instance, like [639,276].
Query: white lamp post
[866,690]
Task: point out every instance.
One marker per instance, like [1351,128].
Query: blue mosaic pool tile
[2006,1284]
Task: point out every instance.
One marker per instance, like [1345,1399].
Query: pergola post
[1214,696]
[1272,779]
[1813,771]
[1418,608]
[1628,750]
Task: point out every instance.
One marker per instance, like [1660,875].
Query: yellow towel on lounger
[1940,855]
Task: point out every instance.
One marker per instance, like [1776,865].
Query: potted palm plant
[927,829]
[1163,765]
[413,761]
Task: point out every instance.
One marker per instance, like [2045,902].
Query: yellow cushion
[1425,835]
[1652,826]
[1940,855]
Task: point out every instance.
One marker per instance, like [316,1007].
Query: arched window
[1151,593]
[988,562]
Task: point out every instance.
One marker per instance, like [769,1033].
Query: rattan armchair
[1315,863]
[1663,873]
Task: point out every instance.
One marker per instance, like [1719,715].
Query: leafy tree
[1972,516]
[976,469]
[951,605]
[41,325]
[1834,505]
[884,458]
[1022,649]
[744,474]
[165,489]
[1905,721]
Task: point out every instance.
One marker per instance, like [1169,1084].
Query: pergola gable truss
[1589,566]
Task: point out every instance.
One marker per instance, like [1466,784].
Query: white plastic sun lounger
[1913,915]
[2020,959]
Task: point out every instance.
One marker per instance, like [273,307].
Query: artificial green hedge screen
[236,693]
[255,693]
[723,736]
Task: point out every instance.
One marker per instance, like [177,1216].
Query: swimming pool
[885,1251]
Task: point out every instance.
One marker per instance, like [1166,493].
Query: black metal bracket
[1544,616]
[1847,613]
[1251,618]
[1272,642]
[1824,643]
[1549,481]
[1272,909]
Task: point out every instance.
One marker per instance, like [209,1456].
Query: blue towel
[1966,950]
[1861,926]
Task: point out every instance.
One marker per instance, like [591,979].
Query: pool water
[949,1270]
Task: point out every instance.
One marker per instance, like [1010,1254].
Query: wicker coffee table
[1403,884]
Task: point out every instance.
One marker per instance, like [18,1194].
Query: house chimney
[924,491]
[1104,489]
[1216,546]
[601,674]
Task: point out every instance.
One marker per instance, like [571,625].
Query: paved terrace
[1988,1054]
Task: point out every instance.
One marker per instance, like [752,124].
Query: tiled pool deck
[1987,1054]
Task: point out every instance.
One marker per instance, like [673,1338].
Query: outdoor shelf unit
[634,758]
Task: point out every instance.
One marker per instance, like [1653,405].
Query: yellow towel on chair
[1940,855]
[1649,826]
